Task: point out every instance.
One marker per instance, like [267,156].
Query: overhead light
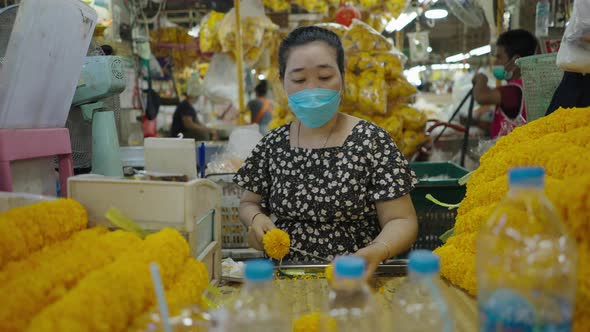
[253,71]
[436,14]
[401,22]
[194,32]
[446,66]
[480,50]
[261,77]
[457,57]
[429,49]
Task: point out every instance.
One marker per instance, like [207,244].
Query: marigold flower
[560,143]
[276,243]
[314,322]
[24,230]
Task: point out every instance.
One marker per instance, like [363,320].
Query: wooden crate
[192,208]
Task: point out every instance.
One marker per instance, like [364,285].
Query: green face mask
[501,73]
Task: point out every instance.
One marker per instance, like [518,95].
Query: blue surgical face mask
[315,107]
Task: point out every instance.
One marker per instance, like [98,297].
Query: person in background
[185,121]
[510,109]
[261,107]
[573,90]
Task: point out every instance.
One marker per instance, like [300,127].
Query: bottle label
[490,322]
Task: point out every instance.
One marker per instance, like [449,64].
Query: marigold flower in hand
[276,243]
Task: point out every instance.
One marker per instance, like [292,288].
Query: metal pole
[240,62]
[467,126]
[454,114]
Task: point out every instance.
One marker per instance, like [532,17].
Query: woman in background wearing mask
[337,184]
[510,105]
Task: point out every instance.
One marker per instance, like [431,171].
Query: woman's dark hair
[305,35]
[518,42]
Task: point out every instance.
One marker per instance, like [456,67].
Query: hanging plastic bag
[208,40]
[362,37]
[574,52]
[220,83]
[336,28]
[372,93]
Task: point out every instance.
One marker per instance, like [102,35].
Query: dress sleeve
[254,174]
[391,176]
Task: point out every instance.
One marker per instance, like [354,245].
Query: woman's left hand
[374,255]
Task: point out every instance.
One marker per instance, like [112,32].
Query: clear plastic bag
[241,143]
[254,25]
[336,28]
[574,51]
[372,91]
[278,5]
[399,89]
[208,38]
[220,83]
[351,90]
[362,37]
[312,6]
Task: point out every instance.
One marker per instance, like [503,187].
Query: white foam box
[192,208]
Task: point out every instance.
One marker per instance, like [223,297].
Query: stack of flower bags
[58,275]
[561,144]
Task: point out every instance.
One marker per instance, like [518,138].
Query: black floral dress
[325,198]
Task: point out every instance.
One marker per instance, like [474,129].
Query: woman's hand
[260,225]
[374,254]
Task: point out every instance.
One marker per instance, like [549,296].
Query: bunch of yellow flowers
[561,144]
[74,279]
[25,230]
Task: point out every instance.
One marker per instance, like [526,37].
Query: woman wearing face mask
[337,184]
[510,105]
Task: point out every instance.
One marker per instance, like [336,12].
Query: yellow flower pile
[27,229]
[208,34]
[257,33]
[176,43]
[276,243]
[314,322]
[93,280]
[561,144]
[277,5]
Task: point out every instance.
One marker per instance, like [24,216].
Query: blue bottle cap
[423,261]
[349,267]
[526,177]
[258,270]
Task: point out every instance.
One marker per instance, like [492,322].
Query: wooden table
[306,296]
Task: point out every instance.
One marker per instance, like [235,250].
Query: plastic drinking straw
[202,159]
[162,305]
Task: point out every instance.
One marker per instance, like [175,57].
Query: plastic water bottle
[418,304]
[525,261]
[351,307]
[542,18]
[258,308]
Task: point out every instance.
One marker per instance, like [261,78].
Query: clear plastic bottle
[418,304]
[543,11]
[351,306]
[258,307]
[525,261]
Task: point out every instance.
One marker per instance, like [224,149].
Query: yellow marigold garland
[314,322]
[276,243]
[110,298]
[561,144]
[25,230]
[44,277]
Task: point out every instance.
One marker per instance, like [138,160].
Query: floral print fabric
[325,198]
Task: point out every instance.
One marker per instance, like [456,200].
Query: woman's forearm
[396,237]
[248,211]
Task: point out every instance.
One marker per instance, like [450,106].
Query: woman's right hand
[260,225]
